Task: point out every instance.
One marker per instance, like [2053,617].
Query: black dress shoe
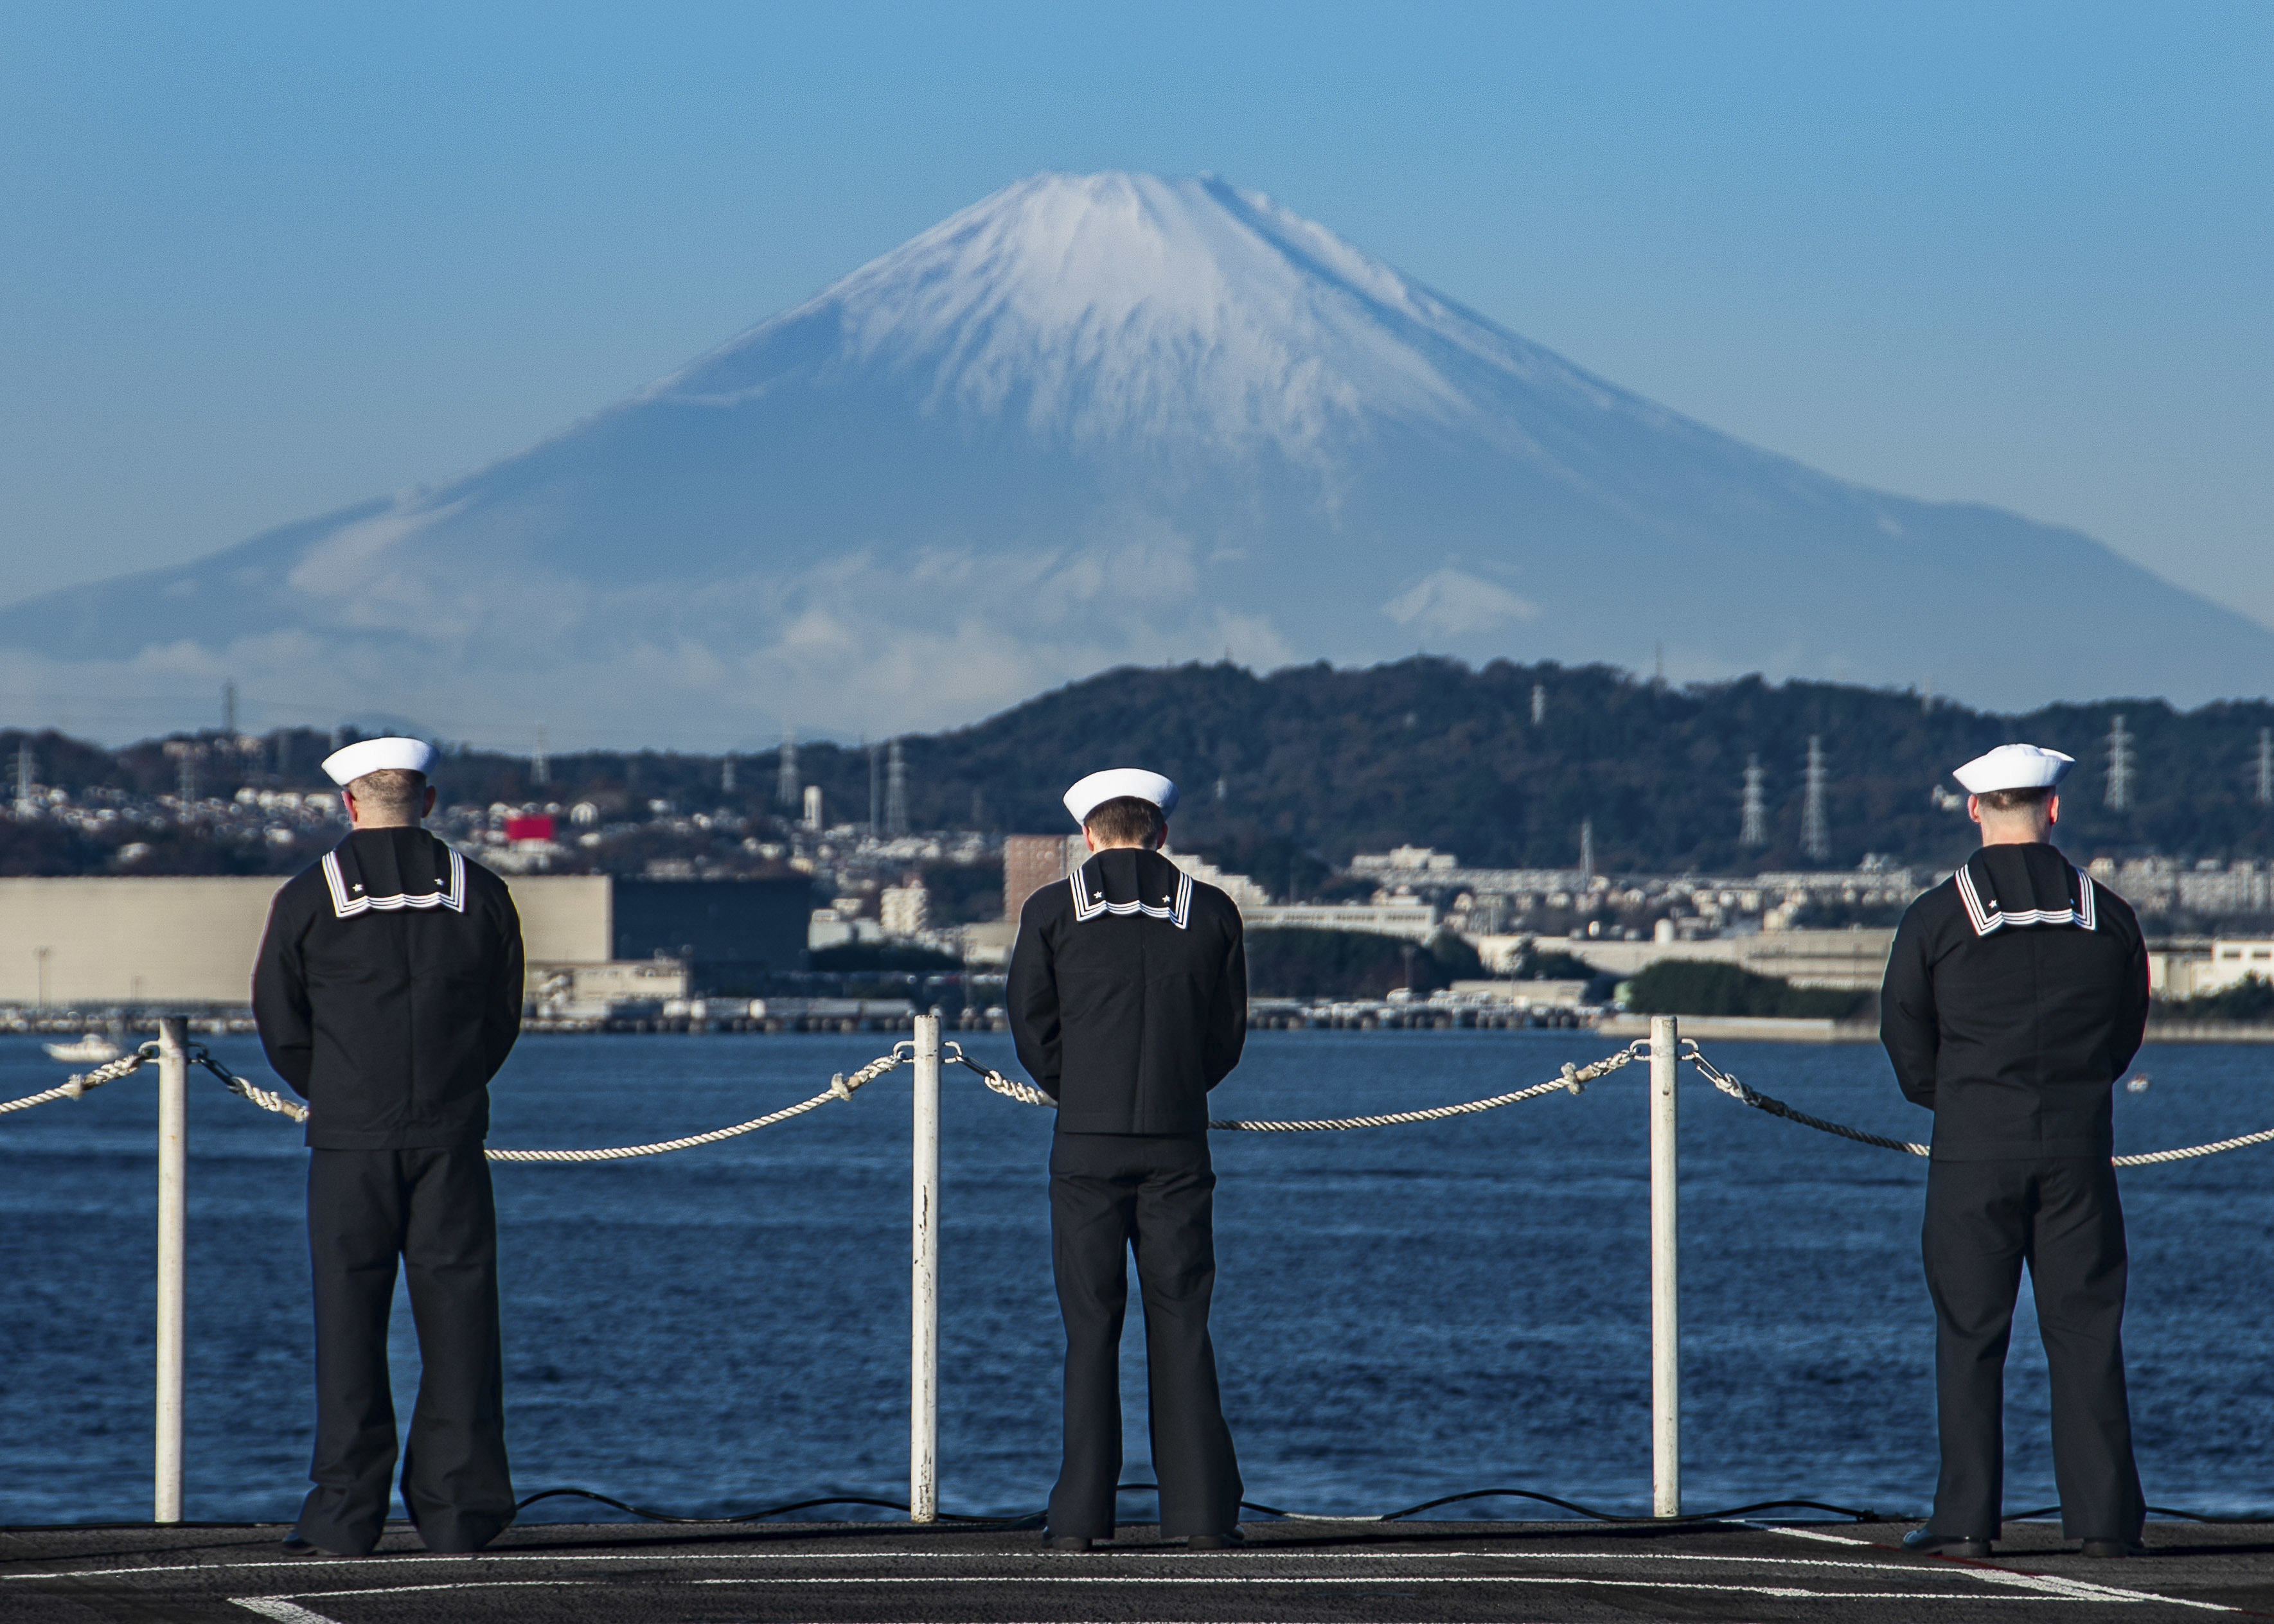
[1068,1542]
[1926,1541]
[1216,1542]
[2115,1547]
[294,1545]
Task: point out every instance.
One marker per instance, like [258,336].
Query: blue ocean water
[1402,1313]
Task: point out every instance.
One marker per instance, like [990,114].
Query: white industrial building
[96,941]
[2188,969]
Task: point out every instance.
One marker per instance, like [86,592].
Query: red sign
[538,828]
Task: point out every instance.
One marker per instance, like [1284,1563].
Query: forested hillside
[1287,775]
[1428,752]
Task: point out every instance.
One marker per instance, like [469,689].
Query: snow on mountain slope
[1103,419]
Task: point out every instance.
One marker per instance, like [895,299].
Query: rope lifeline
[109,1071]
[841,1086]
[1573,1079]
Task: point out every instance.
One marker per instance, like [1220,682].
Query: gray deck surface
[874,1572]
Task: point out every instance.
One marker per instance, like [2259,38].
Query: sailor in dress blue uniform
[2015,995]
[388,992]
[1128,1001]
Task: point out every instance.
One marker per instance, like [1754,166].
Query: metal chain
[109,1071]
[1753,1097]
[1689,1050]
[1573,1079]
[267,1100]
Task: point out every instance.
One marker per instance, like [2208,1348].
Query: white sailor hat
[2014,766]
[376,756]
[1114,782]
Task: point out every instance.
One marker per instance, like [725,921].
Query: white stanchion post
[173,1212]
[1665,1279]
[923,1296]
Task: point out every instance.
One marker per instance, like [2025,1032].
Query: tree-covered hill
[1429,752]
[1288,774]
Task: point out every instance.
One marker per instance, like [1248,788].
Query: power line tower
[2119,766]
[186,780]
[726,774]
[789,792]
[1755,831]
[229,708]
[2265,796]
[1815,831]
[540,767]
[1538,704]
[896,791]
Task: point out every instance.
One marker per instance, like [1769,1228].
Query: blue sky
[262,261]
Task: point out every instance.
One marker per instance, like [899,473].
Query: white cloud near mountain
[1090,420]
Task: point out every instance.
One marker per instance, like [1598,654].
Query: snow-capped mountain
[1106,419]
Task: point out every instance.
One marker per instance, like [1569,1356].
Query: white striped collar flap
[1983,912]
[349,898]
[1089,900]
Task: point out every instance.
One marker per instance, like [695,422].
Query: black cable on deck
[1034,1518]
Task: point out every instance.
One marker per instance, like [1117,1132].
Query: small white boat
[2137,1085]
[93,1050]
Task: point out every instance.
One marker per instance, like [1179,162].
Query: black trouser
[433,1209]
[1109,1192]
[1984,1220]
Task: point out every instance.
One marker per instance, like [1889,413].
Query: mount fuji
[1102,419]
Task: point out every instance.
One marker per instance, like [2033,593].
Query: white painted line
[2076,1590]
[284,1612]
[462,1584]
[1810,1533]
[1788,1592]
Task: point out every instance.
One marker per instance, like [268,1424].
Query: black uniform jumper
[388,992]
[2015,997]
[1129,999]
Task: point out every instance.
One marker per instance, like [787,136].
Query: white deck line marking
[1784,1593]
[1810,1533]
[2079,1590]
[284,1612]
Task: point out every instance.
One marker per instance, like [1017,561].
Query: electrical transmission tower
[2265,796]
[1814,832]
[2119,766]
[726,774]
[540,767]
[1756,828]
[229,709]
[789,792]
[187,785]
[896,791]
